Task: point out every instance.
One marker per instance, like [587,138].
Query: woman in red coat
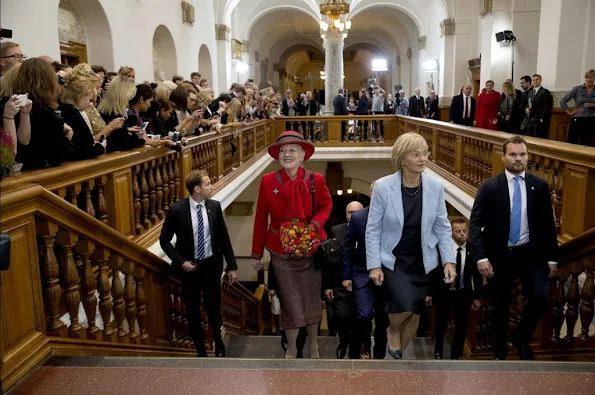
[285,195]
[488,104]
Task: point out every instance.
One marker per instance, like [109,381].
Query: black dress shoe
[341,351]
[201,355]
[437,355]
[220,353]
[526,354]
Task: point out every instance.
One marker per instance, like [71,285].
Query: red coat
[487,110]
[274,202]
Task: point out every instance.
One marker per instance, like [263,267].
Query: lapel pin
[532,188]
[275,191]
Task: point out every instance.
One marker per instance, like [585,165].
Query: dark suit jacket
[331,274]
[340,106]
[457,107]
[82,137]
[433,109]
[542,105]
[179,222]
[490,221]
[417,108]
[354,250]
[121,139]
[362,106]
[472,279]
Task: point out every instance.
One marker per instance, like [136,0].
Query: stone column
[246,59]
[564,54]
[333,67]
[222,35]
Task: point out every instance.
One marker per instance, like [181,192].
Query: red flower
[299,239]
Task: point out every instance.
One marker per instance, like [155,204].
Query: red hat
[291,137]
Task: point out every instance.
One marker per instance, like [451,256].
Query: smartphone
[102,138]
[22,99]
[144,127]
[175,137]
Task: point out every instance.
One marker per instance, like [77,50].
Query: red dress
[276,198]
[487,110]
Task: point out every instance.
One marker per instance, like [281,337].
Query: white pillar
[406,73]
[222,35]
[333,67]
[525,26]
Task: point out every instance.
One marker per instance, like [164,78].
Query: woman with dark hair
[77,96]
[50,142]
[488,103]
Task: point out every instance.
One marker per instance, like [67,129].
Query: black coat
[83,141]
[472,279]
[331,274]
[541,106]
[490,221]
[179,222]
[121,139]
[457,107]
[433,109]
[362,106]
[340,106]
[417,108]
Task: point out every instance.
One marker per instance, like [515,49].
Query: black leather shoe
[526,354]
[437,355]
[341,351]
[220,350]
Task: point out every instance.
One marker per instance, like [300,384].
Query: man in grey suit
[340,108]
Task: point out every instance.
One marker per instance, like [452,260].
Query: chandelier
[334,10]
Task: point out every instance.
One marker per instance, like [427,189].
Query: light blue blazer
[385,223]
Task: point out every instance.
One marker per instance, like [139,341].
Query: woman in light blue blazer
[407,226]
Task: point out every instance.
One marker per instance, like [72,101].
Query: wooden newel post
[185,165]
[434,144]
[459,151]
[219,164]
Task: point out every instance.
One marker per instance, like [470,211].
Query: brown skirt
[299,291]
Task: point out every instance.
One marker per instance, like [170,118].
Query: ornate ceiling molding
[447,27]
[422,42]
[222,32]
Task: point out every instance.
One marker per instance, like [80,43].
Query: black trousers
[205,280]
[381,124]
[582,131]
[364,324]
[343,306]
[461,301]
[308,132]
[518,262]
[295,126]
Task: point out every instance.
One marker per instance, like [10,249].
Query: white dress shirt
[194,211]
[466,103]
[524,237]
[455,247]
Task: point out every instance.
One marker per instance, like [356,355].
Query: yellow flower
[292,232]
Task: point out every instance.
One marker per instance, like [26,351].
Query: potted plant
[7,154]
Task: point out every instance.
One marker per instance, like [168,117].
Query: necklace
[405,188]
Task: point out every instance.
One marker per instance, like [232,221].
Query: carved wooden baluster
[144,195]
[195,158]
[136,196]
[559,302]
[177,178]
[47,231]
[130,299]
[559,195]
[115,262]
[89,286]
[572,299]
[88,203]
[166,191]
[152,194]
[100,257]
[185,327]
[73,193]
[101,202]
[180,335]
[141,304]
[587,296]
[159,190]
[200,154]
[172,314]
[172,181]
[70,280]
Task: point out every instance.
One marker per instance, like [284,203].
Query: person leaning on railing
[582,118]
[10,107]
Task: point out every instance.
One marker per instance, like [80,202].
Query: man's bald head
[352,208]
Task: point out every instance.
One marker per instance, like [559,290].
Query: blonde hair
[508,88]
[75,88]
[5,46]
[235,108]
[203,99]
[590,73]
[121,90]
[125,70]
[162,92]
[7,82]
[406,143]
[85,71]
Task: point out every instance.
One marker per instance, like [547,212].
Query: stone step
[420,348]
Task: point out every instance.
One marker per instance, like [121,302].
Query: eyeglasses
[16,56]
[417,154]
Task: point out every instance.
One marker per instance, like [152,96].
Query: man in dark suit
[417,107]
[513,235]
[525,83]
[362,109]
[370,300]
[432,104]
[538,107]
[340,301]
[202,242]
[340,108]
[462,108]
[307,106]
[464,294]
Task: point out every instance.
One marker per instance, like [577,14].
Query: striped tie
[200,255]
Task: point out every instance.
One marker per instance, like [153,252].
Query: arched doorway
[85,33]
[165,62]
[205,66]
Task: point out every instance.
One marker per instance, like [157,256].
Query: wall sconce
[349,191]
[340,192]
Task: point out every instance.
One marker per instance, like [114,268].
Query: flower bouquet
[6,154]
[299,239]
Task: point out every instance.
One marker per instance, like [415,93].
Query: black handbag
[318,256]
[329,251]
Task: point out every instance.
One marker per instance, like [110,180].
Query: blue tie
[515,214]
[200,255]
